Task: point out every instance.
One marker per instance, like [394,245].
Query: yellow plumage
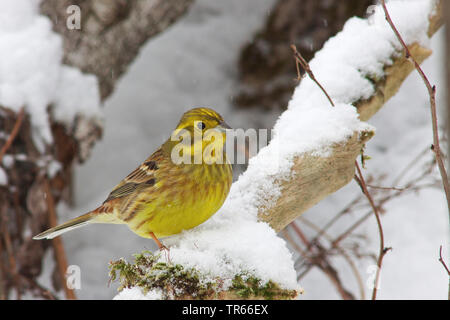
[164,196]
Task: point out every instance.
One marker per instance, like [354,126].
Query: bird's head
[202,119]
[201,131]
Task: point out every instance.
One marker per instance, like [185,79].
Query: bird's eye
[201,125]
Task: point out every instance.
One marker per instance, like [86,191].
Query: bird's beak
[223,126]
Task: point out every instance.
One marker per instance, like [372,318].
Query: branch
[432,93]
[13,134]
[362,183]
[58,246]
[441,260]
[305,65]
[359,179]
[314,178]
[111,34]
[434,120]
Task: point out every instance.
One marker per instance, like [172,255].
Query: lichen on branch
[174,281]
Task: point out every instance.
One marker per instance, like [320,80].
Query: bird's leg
[160,245]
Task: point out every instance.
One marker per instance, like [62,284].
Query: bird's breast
[185,198]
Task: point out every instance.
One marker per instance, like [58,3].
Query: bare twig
[13,134]
[320,260]
[57,242]
[304,64]
[335,244]
[360,179]
[386,188]
[411,186]
[341,251]
[432,93]
[300,60]
[10,251]
[441,259]
[41,291]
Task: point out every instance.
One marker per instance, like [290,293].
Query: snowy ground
[193,64]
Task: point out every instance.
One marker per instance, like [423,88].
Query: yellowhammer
[181,185]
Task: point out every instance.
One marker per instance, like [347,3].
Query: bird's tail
[67,226]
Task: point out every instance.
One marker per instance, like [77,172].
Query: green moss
[148,273]
[176,281]
[366,135]
[372,77]
[250,287]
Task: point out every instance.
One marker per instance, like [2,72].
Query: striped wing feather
[141,178]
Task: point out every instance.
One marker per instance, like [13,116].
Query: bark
[266,67]
[111,34]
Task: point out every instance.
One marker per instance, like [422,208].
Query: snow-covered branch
[379,69]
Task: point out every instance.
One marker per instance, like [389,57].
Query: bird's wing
[141,178]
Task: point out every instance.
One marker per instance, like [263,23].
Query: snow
[210,32]
[53,168]
[231,243]
[363,48]
[136,293]
[32,74]
[3,177]
[8,160]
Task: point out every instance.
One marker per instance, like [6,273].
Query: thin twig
[432,93]
[10,251]
[319,260]
[57,242]
[360,179]
[341,251]
[409,186]
[301,61]
[13,134]
[43,292]
[386,188]
[441,259]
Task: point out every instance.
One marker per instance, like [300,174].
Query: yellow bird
[181,185]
